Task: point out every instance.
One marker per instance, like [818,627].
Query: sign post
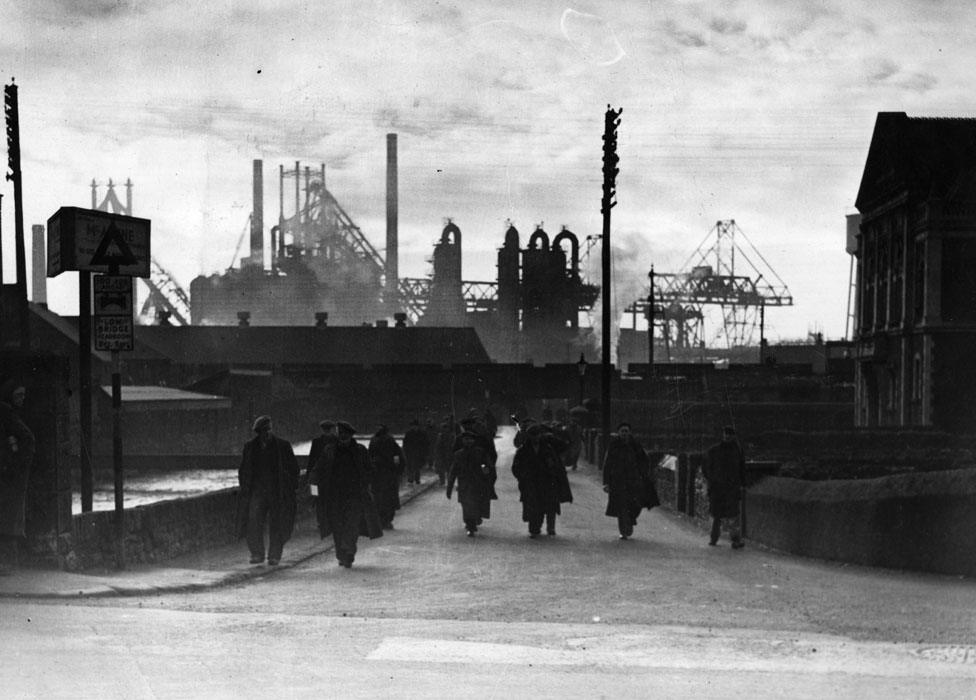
[95,241]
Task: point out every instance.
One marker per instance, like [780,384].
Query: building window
[918,280]
[917,378]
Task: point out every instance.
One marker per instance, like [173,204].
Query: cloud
[724,25]
[66,10]
[684,37]
[882,70]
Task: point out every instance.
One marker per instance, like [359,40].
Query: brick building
[916,275]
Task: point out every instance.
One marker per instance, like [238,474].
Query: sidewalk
[220,566]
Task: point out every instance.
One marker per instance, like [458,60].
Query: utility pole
[610,170]
[13,161]
[650,325]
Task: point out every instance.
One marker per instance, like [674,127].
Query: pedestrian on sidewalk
[542,482]
[341,480]
[268,477]
[416,446]
[627,480]
[388,462]
[17,445]
[724,471]
[329,436]
[444,449]
[475,476]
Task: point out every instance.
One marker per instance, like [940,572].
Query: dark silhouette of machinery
[316,263]
[709,279]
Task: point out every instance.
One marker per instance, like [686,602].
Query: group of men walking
[356,488]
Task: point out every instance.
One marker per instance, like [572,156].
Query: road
[429,612]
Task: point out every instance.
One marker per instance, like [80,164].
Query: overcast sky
[760,112]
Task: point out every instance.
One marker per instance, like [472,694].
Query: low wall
[919,521]
[157,531]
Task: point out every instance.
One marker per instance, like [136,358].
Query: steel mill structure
[322,269]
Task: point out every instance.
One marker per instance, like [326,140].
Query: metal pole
[117,459]
[20,256]
[610,160]
[84,385]
[650,325]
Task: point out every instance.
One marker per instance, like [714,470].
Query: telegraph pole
[13,161]
[650,325]
[610,170]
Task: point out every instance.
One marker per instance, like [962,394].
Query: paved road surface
[428,612]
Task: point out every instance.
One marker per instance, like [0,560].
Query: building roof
[293,345]
[921,156]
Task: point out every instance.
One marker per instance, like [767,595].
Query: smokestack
[257,217]
[392,268]
[38,266]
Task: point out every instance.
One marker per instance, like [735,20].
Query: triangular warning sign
[113,250]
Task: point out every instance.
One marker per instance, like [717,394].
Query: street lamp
[581,367]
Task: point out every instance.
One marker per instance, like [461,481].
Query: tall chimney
[392,268]
[38,266]
[257,217]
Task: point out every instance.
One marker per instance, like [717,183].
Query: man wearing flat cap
[269,480]
[724,471]
[542,482]
[475,475]
[345,504]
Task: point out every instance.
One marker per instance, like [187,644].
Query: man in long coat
[341,483]
[724,472]
[627,480]
[268,477]
[475,475]
[416,447]
[388,461]
[17,446]
[444,449]
[542,481]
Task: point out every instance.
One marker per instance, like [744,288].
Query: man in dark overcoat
[627,480]
[724,471]
[328,437]
[475,475]
[268,477]
[388,462]
[444,449]
[17,447]
[341,482]
[416,446]
[542,481]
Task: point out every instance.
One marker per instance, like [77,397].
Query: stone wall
[158,531]
[906,521]
[921,521]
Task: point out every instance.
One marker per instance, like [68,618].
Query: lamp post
[581,367]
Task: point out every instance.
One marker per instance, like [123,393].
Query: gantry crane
[723,273]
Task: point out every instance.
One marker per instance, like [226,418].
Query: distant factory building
[915,247]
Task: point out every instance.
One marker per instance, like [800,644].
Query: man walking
[542,482]
[387,462]
[627,480]
[17,447]
[475,476]
[341,479]
[416,447]
[724,472]
[268,477]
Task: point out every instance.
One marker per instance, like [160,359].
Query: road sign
[113,312]
[97,241]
